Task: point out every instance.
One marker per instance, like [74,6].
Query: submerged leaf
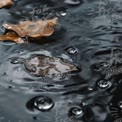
[41,65]
[4,3]
[11,36]
[34,29]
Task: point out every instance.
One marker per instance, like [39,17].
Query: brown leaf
[4,3]
[12,36]
[41,65]
[33,29]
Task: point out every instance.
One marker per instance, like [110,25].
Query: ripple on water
[73,2]
[77,25]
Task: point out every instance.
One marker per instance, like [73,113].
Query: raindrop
[71,50]
[103,84]
[72,2]
[76,112]
[43,103]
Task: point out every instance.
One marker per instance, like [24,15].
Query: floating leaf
[4,3]
[34,29]
[11,36]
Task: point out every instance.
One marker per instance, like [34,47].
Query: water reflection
[89,38]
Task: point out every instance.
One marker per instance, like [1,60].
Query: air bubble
[103,84]
[76,112]
[72,50]
[62,13]
[120,104]
[43,103]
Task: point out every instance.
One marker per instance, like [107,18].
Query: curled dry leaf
[35,29]
[4,3]
[12,36]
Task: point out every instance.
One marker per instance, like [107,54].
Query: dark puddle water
[89,35]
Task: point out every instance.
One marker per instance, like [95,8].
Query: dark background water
[94,28]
